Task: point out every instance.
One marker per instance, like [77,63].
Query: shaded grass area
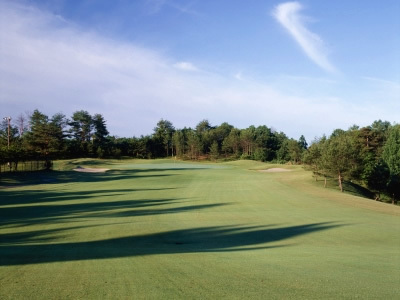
[25,178]
[348,187]
[165,229]
[194,240]
[62,177]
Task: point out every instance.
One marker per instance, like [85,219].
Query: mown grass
[168,229]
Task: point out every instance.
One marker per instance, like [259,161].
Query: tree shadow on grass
[39,236]
[39,214]
[33,197]
[357,190]
[194,240]
[58,177]
[19,179]
[349,187]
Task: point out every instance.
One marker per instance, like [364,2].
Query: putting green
[169,229]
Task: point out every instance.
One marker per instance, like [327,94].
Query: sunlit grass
[169,229]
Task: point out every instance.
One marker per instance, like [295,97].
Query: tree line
[369,155]
[36,136]
[86,135]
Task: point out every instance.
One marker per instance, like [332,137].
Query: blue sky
[304,67]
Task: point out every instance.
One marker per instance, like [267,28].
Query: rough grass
[167,229]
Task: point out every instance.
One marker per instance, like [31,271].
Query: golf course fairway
[164,229]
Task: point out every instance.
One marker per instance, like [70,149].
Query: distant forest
[369,155]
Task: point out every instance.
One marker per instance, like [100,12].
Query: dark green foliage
[203,126]
[178,141]
[302,142]
[378,177]
[81,127]
[231,143]
[391,155]
[261,154]
[163,135]
[266,144]
[313,157]
[294,151]
[46,136]
[214,150]
[369,156]
[247,139]
[393,188]
[100,142]
[391,150]
[194,144]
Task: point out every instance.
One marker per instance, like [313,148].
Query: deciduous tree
[163,132]
[391,150]
[339,155]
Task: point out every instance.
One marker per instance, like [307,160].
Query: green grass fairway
[173,230]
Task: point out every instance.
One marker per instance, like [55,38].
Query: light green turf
[173,230]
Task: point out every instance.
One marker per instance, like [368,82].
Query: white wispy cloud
[238,76]
[185,8]
[288,15]
[186,66]
[384,82]
[385,92]
[155,6]
[49,64]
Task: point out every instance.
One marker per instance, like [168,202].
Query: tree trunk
[340,182]
[378,197]
[324,181]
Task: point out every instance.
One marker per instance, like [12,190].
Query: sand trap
[90,170]
[275,170]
